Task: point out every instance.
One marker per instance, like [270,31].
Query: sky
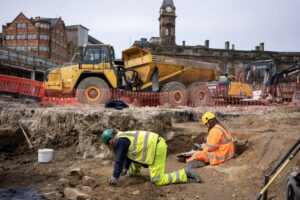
[120,22]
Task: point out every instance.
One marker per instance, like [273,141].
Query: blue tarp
[20,194]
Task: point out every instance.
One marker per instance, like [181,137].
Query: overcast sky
[121,22]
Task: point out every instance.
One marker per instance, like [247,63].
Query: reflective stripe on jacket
[142,145]
[219,146]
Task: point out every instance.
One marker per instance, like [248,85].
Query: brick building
[0,39]
[43,37]
[229,59]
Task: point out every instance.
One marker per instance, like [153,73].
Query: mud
[74,134]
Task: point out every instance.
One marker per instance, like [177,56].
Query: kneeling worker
[135,149]
[219,146]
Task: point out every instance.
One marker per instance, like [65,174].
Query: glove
[124,172]
[112,181]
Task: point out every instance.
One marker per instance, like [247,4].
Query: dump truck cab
[92,73]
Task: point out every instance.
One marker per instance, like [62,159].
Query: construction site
[69,120]
[64,137]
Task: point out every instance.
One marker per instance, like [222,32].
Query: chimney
[227,44]
[262,46]
[183,43]
[233,47]
[207,44]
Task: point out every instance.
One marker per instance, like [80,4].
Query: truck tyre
[199,95]
[93,90]
[173,93]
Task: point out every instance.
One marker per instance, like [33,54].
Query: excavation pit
[74,135]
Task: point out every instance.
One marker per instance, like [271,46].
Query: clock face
[169,9]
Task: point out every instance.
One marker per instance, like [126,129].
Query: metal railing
[24,59]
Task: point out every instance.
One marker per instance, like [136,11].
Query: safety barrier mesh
[21,86]
[197,96]
[279,95]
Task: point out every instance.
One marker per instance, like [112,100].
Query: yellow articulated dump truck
[97,72]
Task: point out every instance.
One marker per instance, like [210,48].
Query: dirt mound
[58,128]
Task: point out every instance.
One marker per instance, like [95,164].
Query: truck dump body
[169,69]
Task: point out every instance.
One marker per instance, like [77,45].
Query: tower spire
[167,22]
[168,3]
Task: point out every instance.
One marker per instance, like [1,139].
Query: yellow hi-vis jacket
[142,145]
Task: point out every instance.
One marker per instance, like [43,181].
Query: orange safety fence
[218,96]
[281,94]
[21,86]
[198,96]
[140,99]
[58,97]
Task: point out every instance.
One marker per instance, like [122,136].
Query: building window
[9,37]
[34,48]
[167,31]
[21,37]
[43,48]
[45,26]
[44,37]
[32,37]
[21,25]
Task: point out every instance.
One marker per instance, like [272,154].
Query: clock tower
[167,21]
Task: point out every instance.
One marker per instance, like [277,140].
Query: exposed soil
[73,133]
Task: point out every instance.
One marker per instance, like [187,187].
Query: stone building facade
[229,59]
[78,35]
[43,37]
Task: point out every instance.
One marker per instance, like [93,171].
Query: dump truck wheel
[93,90]
[199,94]
[173,93]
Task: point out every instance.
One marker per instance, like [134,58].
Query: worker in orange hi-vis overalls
[219,146]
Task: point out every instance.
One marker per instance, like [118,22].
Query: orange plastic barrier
[279,95]
[21,86]
[58,97]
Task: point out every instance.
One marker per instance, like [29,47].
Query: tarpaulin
[20,194]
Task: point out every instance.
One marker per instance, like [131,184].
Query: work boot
[196,164]
[192,174]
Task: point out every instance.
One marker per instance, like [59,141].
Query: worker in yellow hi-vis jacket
[134,149]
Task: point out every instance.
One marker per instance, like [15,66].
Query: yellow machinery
[97,72]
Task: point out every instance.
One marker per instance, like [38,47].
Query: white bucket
[45,155]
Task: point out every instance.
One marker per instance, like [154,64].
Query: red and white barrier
[280,95]
[22,86]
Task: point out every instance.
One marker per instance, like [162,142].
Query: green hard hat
[107,134]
